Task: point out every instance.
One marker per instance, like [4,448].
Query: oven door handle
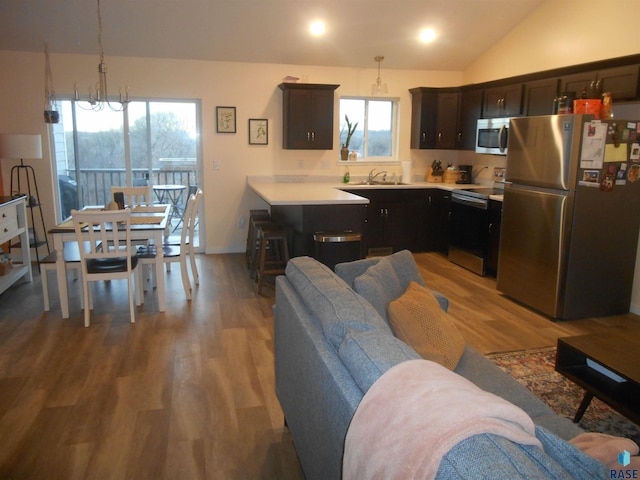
[470,201]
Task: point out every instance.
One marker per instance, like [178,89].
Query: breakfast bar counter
[303,193]
[309,190]
[306,205]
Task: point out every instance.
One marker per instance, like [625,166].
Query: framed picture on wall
[258,131]
[226,119]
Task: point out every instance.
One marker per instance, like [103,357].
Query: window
[375,136]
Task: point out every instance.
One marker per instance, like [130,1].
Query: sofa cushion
[368,354]
[418,320]
[336,306]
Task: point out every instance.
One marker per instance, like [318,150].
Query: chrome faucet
[372,176]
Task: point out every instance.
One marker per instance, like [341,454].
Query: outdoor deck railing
[95,183]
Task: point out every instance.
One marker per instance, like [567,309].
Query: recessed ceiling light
[427,35]
[317,28]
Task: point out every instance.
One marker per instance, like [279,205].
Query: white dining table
[147,223]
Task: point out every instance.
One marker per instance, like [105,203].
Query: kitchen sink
[377,182]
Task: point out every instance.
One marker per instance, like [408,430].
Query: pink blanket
[415,413]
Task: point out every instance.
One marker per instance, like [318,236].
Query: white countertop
[306,191]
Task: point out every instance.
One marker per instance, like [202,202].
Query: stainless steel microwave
[492,135]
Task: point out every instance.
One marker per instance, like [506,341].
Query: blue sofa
[331,344]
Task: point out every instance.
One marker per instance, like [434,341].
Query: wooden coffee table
[607,367]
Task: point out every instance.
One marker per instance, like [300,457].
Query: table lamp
[20,146]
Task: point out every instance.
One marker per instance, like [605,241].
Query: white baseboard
[225,250]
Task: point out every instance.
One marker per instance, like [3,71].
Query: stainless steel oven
[470,228]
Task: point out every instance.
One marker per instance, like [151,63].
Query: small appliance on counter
[465,174]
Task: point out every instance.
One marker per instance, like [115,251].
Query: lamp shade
[14,146]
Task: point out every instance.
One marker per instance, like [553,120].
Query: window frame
[395,133]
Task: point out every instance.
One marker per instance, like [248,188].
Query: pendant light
[378,88]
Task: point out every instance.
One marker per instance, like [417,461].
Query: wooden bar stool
[261,217]
[273,252]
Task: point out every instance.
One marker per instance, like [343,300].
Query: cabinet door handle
[308,136]
[313,136]
[439,136]
[4,215]
[459,136]
[424,137]
[6,229]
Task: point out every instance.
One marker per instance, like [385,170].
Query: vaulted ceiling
[267,31]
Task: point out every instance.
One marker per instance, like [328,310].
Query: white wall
[561,33]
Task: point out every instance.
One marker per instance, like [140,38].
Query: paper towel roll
[406,171]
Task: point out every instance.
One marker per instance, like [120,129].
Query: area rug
[535,369]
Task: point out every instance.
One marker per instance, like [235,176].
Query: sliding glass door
[151,143]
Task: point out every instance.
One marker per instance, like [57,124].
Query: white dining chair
[48,264]
[134,195]
[178,253]
[106,252]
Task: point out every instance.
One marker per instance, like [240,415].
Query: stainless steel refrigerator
[571,215]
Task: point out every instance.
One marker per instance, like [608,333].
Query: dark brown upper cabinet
[470,112]
[307,116]
[502,101]
[540,95]
[621,82]
[434,118]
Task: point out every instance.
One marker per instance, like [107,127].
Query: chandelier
[100,96]
[378,87]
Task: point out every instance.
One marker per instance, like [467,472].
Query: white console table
[13,224]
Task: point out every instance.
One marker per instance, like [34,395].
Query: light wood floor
[187,394]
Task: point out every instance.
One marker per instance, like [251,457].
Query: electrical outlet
[325,164]
[242,222]
[300,163]
[216,165]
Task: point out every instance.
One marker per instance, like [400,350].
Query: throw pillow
[379,285]
[406,268]
[417,319]
[349,271]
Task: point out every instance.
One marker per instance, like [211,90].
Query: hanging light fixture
[100,96]
[378,87]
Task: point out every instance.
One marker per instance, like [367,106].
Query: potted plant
[51,115]
[351,128]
